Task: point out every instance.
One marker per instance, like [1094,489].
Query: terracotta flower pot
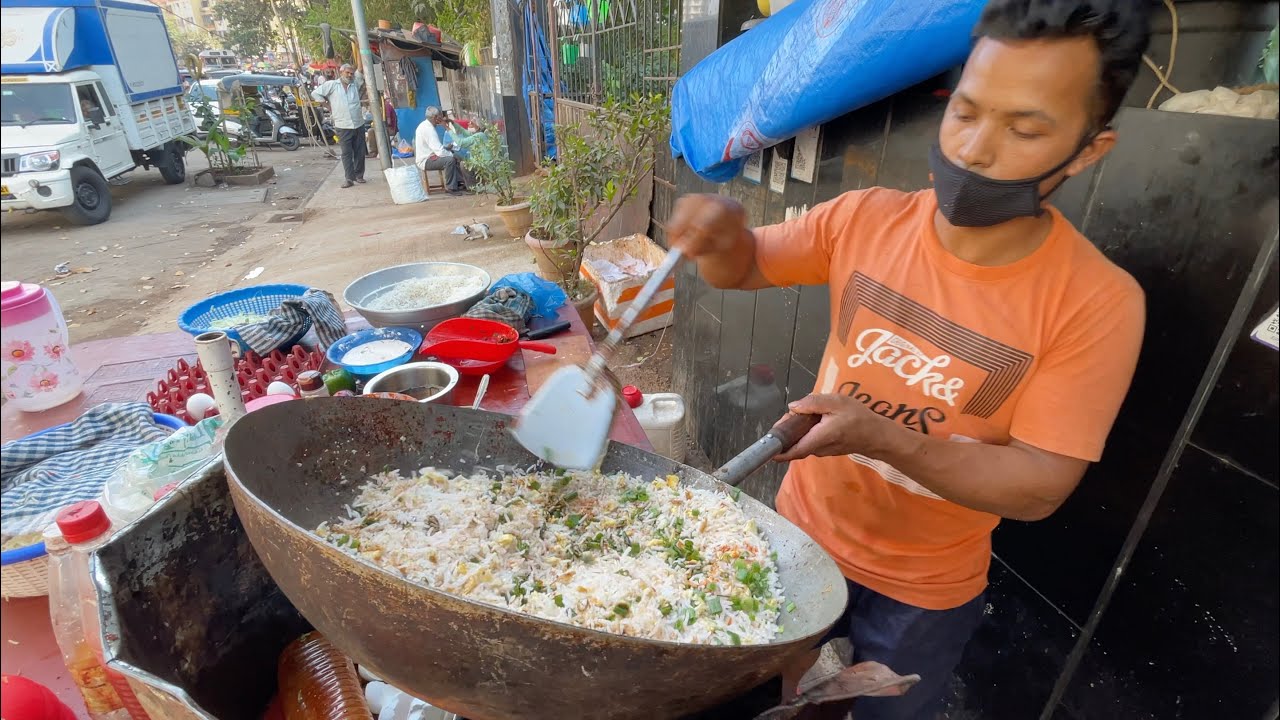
[384,24]
[555,259]
[517,217]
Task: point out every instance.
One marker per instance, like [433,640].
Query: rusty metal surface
[189,610]
[480,661]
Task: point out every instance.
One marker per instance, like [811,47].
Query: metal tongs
[566,423]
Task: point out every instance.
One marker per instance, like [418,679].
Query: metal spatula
[566,423]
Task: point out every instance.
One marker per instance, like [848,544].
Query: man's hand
[712,229]
[706,224]
[847,426]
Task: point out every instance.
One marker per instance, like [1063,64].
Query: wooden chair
[436,186]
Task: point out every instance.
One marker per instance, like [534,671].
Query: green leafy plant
[488,160]
[603,159]
[465,20]
[225,151]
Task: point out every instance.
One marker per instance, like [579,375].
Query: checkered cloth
[287,320]
[506,304]
[40,475]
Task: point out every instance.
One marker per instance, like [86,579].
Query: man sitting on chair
[430,153]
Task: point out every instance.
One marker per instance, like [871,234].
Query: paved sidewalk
[343,233]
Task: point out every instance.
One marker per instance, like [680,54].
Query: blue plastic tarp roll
[812,62]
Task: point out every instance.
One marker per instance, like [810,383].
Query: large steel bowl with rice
[417,295]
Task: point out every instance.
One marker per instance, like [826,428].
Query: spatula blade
[565,423]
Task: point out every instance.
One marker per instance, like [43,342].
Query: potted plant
[488,160]
[601,162]
[231,155]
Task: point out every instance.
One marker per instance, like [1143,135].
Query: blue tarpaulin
[539,78]
[812,62]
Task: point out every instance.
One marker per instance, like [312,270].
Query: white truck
[90,91]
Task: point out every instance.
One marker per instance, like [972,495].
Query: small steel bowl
[368,288]
[410,379]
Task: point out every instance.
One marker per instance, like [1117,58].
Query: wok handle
[537,347]
[780,439]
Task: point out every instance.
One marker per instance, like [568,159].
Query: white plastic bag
[406,185]
[131,488]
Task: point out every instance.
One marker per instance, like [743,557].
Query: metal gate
[613,49]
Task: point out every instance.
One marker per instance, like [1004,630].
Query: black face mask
[968,199]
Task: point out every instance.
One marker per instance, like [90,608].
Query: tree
[466,20]
[185,40]
[249,30]
[463,20]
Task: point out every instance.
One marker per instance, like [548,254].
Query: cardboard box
[618,269]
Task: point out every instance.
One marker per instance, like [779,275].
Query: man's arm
[1015,481]
[712,229]
[321,93]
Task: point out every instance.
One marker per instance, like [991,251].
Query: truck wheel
[290,142]
[91,197]
[174,171]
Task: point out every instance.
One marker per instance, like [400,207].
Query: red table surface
[125,369]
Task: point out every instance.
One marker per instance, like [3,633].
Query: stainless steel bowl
[412,378]
[370,287]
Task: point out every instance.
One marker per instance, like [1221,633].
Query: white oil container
[662,417]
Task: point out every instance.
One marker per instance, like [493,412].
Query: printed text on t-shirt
[884,347]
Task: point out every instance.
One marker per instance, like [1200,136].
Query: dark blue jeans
[907,640]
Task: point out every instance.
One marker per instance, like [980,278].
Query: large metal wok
[294,465]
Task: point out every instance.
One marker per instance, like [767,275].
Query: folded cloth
[291,317]
[506,304]
[41,474]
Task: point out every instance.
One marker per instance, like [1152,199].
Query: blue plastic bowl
[339,349]
[31,552]
[255,300]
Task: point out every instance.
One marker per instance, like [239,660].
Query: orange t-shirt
[1041,350]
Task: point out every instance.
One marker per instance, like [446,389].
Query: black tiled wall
[1092,613]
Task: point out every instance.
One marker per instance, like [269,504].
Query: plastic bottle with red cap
[73,604]
[662,417]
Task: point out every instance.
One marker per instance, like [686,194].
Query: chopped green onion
[734,637]
[790,607]
[664,607]
[558,600]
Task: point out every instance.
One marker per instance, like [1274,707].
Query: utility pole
[375,97]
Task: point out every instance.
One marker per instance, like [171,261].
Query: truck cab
[79,109]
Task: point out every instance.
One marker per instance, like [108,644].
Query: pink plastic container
[35,362]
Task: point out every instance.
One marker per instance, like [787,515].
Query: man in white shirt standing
[343,96]
[430,153]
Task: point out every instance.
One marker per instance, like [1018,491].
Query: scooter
[268,128]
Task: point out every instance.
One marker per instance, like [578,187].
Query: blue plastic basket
[256,300]
[24,568]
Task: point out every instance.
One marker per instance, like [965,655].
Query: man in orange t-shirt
[980,347]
